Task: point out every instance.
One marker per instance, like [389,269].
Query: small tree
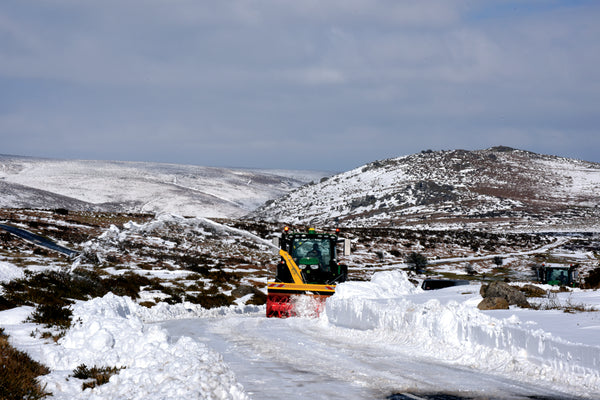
[470,270]
[498,260]
[417,261]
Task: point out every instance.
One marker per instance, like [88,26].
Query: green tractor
[309,266]
[559,275]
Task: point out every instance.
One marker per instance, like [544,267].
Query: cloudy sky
[309,84]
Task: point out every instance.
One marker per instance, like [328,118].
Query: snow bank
[108,332]
[454,330]
[198,225]
[385,284]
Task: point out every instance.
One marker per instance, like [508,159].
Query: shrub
[417,261]
[51,287]
[97,375]
[6,304]
[395,253]
[52,315]
[125,285]
[211,301]
[258,297]
[53,291]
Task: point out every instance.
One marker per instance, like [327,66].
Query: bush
[395,253]
[417,261]
[51,287]
[211,301]
[125,285]
[258,297]
[53,291]
[52,315]
[97,375]
[6,304]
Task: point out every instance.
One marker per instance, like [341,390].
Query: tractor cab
[315,254]
[557,275]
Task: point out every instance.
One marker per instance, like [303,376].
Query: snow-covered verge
[109,331]
[530,345]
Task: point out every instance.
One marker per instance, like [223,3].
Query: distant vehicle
[432,284]
[559,275]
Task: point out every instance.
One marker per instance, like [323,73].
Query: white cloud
[319,76]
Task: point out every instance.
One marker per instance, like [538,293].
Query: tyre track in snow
[301,358]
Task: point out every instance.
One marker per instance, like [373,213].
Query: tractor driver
[562,278]
[316,253]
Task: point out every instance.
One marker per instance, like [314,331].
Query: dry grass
[568,306]
[18,373]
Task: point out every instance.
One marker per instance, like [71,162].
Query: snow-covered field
[374,339]
[142,186]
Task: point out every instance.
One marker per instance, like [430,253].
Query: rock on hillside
[498,187]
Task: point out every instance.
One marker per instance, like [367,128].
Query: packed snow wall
[453,330]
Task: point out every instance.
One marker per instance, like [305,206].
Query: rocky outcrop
[533,291]
[493,303]
[501,290]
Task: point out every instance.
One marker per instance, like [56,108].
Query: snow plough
[308,267]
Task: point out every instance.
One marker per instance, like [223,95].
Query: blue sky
[299,85]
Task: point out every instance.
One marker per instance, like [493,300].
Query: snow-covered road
[304,358]
[543,249]
[274,360]
[383,337]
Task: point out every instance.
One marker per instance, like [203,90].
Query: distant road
[544,248]
[38,240]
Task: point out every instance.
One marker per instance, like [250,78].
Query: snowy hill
[141,187]
[498,187]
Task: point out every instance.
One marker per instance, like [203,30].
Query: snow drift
[454,330]
[108,332]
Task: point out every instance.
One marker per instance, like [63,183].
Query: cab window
[312,248]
